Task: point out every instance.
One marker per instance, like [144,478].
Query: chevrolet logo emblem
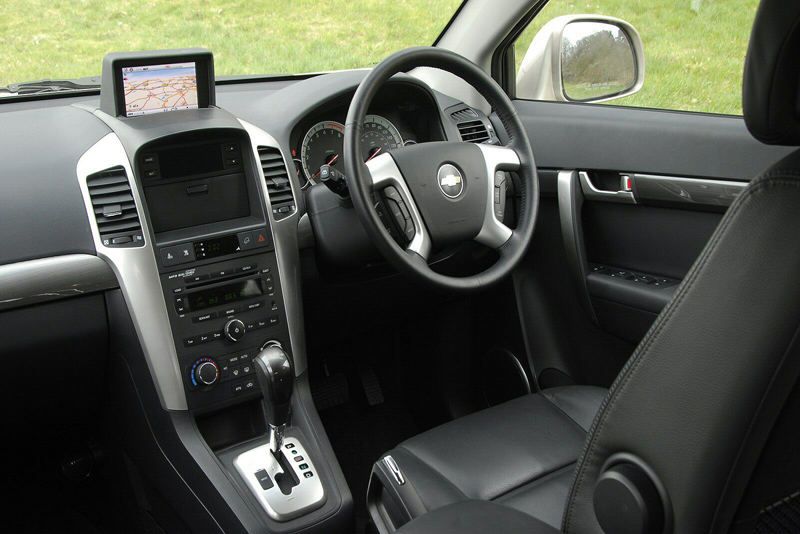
[451,180]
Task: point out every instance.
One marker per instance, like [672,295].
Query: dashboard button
[236,371]
[203,338]
[254,305]
[170,256]
[245,240]
[230,311]
[152,173]
[190,341]
[196,278]
[205,317]
[230,148]
[250,385]
[261,238]
[148,159]
[216,335]
[222,272]
[246,356]
[272,320]
[237,389]
[247,369]
[232,162]
[247,268]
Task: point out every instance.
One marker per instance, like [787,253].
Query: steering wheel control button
[234,330]
[450,181]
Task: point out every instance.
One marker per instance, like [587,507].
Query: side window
[683,55]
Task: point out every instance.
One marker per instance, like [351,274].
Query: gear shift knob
[275,375]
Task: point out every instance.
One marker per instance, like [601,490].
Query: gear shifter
[275,375]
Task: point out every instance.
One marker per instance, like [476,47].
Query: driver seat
[698,431]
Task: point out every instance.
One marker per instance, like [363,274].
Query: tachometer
[323,144]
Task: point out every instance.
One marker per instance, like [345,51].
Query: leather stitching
[630,368]
[534,481]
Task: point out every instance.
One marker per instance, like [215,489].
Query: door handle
[592,193]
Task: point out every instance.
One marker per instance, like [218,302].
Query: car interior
[440,294]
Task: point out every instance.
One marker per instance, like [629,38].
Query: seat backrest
[707,400]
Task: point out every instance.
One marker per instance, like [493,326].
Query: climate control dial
[205,372]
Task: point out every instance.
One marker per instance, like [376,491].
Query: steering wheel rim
[384,170]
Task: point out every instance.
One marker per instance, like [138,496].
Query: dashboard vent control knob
[234,330]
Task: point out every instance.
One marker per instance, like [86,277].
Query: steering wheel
[443,193]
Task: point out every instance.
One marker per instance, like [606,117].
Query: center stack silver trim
[137,273]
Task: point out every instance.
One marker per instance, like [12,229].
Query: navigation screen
[159,88]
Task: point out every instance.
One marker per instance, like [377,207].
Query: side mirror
[582,58]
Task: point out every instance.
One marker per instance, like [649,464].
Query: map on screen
[159,88]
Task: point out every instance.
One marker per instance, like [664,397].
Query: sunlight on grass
[694,57]
[67,39]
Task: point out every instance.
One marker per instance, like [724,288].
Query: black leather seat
[708,404]
[520,454]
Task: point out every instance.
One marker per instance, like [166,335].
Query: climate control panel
[216,312]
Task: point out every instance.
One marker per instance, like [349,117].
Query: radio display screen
[226,294]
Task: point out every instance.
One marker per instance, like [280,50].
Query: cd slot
[234,275]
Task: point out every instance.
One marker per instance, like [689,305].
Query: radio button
[205,317]
[230,311]
[203,338]
[247,268]
[254,305]
[234,330]
[273,320]
[196,278]
[223,272]
[190,341]
[262,323]
[216,335]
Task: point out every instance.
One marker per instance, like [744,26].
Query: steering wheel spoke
[385,174]
[498,159]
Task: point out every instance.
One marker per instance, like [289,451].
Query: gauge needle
[375,154]
[331,162]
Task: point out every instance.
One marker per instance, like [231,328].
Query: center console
[179,207]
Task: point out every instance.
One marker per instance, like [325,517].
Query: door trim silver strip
[59,277]
[137,273]
[570,201]
[697,191]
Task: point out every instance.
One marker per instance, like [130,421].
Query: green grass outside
[68,38]
[694,58]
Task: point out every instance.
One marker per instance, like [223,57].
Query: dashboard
[162,233]
[401,114]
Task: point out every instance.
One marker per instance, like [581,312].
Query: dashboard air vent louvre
[114,208]
[276,178]
[473,131]
[466,114]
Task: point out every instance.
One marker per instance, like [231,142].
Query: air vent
[466,114]
[473,131]
[277,179]
[114,208]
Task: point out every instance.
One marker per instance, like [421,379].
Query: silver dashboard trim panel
[46,279]
[137,273]
[687,190]
[284,235]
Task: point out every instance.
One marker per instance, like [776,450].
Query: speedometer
[323,144]
[379,136]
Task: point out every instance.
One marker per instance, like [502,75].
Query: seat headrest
[771,88]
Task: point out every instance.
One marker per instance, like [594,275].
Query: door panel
[621,254]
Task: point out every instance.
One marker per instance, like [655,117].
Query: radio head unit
[157,81]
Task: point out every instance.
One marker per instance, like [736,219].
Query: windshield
[45,39]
